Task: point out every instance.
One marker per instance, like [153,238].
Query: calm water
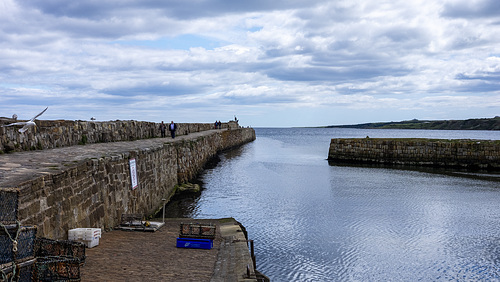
[312,221]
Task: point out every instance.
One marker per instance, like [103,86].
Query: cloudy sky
[271,63]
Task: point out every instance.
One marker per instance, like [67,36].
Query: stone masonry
[62,133]
[467,154]
[90,185]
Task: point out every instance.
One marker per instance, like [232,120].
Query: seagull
[27,124]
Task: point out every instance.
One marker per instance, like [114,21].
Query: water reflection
[180,207]
[476,174]
[312,221]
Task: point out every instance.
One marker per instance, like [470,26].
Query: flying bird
[27,124]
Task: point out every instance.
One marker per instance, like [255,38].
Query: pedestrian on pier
[172,127]
[163,128]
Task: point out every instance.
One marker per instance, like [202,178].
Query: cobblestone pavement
[149,256]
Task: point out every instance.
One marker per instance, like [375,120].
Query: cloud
[472,9]
[135,59]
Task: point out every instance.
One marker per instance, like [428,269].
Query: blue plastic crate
[193,243]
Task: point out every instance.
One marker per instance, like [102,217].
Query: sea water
[315,221]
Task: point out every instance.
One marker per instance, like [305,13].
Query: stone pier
[62,133]
[90,185]
[466,154]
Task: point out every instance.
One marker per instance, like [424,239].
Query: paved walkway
[153,256]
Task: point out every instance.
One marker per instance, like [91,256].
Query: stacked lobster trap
[24,257]
[17,243]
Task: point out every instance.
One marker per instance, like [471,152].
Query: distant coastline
[469,124]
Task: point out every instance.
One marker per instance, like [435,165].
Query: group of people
[172,127]
[217,125]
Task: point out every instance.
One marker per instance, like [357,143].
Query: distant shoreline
[469,124]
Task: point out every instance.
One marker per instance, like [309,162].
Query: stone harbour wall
[97,191]
[193,154]
[468,154]
[61,133]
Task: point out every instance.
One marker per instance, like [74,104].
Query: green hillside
[469,124]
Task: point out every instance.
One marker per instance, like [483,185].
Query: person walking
[163,128]
[172,127]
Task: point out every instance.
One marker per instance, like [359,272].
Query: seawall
[467,154]
[62,133]
[91,185]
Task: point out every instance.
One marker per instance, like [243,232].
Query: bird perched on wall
[27,124]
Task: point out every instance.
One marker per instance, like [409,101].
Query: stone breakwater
[468,154]
[91,185]
[62,133]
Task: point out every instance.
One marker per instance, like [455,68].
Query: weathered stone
[63,133]
[188,188]
[93,187]
[9,146]
[469,154]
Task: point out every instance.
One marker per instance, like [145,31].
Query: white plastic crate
[88,236]
[90,243]
[85,234]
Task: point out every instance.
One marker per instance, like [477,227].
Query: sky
[279,63]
